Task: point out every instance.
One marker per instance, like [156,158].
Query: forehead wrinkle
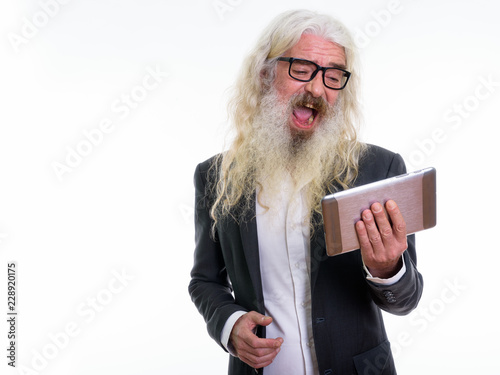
[319,49]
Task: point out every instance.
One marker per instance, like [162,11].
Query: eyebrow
[340,66]
[331,65]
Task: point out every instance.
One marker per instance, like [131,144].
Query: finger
[253,319]
[257,353]
[259,361]
[249,321]
[382,222]
[253,343]
[251,349]
[364,241]
[246,342]
[398,222]
[372,231]
[258,356]
[247,335]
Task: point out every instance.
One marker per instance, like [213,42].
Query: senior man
[261,278]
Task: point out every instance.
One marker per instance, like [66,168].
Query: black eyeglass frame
[290,60]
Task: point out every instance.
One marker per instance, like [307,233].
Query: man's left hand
[382,245]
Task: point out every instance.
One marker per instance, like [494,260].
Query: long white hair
[235,177]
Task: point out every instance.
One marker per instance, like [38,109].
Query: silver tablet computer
[414,193]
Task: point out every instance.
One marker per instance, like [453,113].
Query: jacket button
[389,296]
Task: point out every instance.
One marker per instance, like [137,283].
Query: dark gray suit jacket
[348,329]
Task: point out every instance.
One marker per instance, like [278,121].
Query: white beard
[275,153]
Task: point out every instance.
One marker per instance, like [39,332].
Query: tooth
[310,120]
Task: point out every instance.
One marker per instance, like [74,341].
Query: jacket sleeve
[403,296]
[209,288]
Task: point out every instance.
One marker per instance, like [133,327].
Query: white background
[126,206]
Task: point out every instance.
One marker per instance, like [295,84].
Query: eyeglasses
[305,71]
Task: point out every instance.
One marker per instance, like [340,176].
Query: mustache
[307,100]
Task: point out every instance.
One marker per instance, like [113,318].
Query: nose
[316,87]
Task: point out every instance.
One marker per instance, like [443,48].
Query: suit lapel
[318,243]
[318,251]
[250,243]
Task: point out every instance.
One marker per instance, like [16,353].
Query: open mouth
[305,115]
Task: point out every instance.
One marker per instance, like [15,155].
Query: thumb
[261,320]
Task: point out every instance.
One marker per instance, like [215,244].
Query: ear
[265,79]
[263,76]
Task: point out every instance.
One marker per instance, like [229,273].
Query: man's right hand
[252,350]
